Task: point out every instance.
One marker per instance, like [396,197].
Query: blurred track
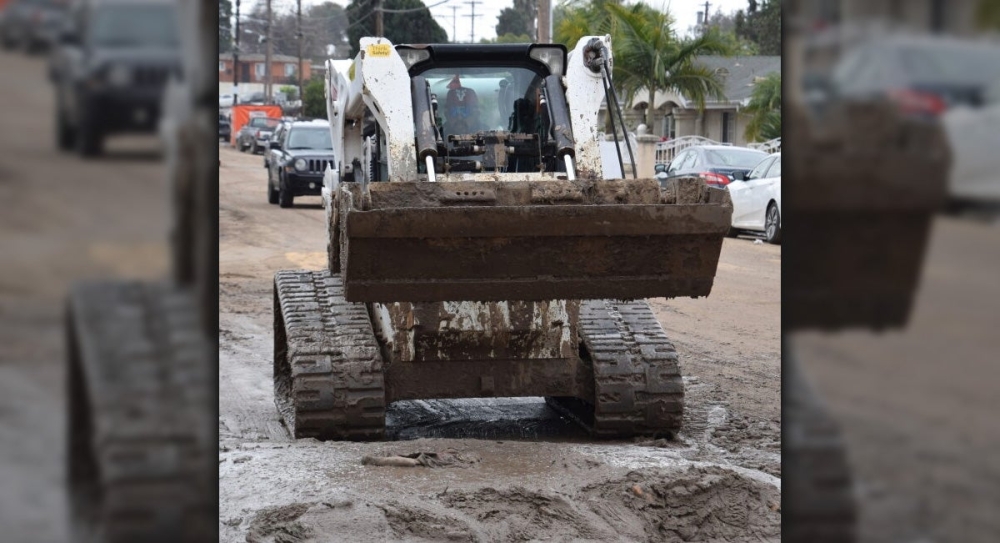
[62,219]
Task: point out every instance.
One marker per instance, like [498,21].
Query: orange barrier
[241,115]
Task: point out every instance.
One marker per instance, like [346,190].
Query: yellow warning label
[379,50]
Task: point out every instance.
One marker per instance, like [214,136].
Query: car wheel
[89,140]
[732,233]
[64,132]
[272,193]
[285,197]
[772,225]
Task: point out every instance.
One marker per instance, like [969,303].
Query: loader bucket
[530,240]
[864,184]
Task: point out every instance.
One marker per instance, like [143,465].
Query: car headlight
[300,164]
[119,75]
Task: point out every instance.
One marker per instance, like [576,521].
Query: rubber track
[820,507]
[141,438]
[637,380]
[328,381]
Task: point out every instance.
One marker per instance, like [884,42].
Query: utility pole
[544,16]
[236,59]
[268,97]
[705,29]
[299,37]
[454,33]
[379,28]
[472,20]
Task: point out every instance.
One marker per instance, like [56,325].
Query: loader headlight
[300,164]
[553,56]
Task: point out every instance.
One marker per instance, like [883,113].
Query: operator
[461,108]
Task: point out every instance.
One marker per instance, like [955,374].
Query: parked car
[226,100]
[924,75]
[32,25]
[757,199]
[256,134]
[973,133]
[225,128]
[716,164]
[299,155]
[111,68]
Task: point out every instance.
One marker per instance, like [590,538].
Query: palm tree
[649,55]
[764,109]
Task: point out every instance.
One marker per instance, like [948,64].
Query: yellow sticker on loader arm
[379,50]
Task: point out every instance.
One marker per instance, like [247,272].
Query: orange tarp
[242,114]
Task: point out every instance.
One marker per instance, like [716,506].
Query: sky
[684,11]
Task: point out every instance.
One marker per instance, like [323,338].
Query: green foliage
[290,91]
[518,20]
[649,55]
[988,14]
[764,109]
[508,38]
[410,27]
[761,24]
[314,100]
[725,25]
[225,26]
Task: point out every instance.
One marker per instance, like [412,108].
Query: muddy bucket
[531,240]
[864,186]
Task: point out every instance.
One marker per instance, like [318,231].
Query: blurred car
[256,134]
[225,128]
[757,200]
[974,137]
[716,164]
[226,100]
[32,25]
[299,155]
[110,69]
[924,75]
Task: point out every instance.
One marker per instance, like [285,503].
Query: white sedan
[757,200]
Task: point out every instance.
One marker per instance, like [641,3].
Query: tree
[404,21]
[314,99]
[518,20]
[764,109]
[761,24]
[988,14]
[508,38]
[225,26]
[725,24]
[648,55]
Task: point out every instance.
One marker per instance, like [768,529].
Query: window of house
[670,126]
[289,69]
[222,66]
[258,70]
[728,127]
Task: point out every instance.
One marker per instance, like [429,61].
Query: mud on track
[528,474]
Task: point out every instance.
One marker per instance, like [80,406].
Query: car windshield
[734,158]
[310,138]
[951,63]
[264,122]
[134,25]
[473,99]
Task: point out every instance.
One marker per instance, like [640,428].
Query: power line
[472,19]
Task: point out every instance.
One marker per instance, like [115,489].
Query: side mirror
[275,145]
[660,168]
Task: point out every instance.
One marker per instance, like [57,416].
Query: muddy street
[525,472]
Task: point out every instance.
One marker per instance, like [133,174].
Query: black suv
[300,153]
[110,68]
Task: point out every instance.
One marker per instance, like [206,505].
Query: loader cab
[490,103]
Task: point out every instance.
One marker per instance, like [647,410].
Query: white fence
[667,150]
[769,146]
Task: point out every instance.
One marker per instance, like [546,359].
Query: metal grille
[146,76]
[319,165]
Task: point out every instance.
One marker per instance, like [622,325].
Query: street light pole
[236,58]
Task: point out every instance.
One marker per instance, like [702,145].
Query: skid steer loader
[477,250]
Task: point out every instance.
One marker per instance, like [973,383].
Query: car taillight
[913,102]
[715,179]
